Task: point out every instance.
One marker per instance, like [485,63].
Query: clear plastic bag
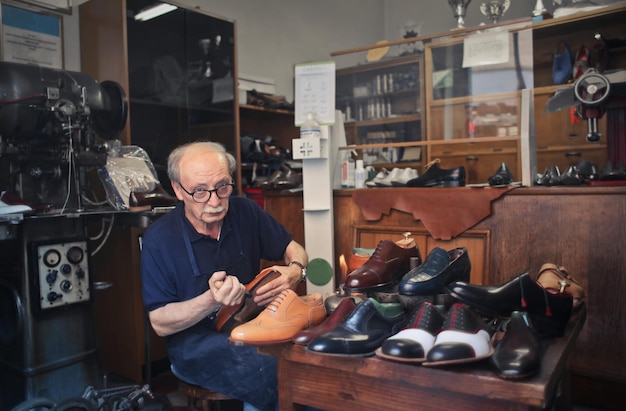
[128,168]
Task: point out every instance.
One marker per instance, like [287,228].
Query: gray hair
[173,161]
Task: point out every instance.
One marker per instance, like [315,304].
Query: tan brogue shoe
[281,320]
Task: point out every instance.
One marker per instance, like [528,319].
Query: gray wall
[274,35]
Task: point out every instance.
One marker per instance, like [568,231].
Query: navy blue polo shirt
[177,261]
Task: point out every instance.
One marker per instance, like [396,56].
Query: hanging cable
[106,237]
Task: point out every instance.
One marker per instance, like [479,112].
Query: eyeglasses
[201,195]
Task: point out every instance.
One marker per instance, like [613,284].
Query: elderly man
[197,258]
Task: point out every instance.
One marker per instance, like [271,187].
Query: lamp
[154,11]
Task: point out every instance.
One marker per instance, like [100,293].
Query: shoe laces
[376,255]
[277,301]
[524,304]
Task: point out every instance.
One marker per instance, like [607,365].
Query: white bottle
[310,127]
[347,171]
[359,175]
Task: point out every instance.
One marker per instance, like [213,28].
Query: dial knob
[75,255]
[51,277]
[51,258]
[52,296]
[66,269]
[66,285]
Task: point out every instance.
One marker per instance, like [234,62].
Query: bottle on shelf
[310,127]
[347,171]
[359,175]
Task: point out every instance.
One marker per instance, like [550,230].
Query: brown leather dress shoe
[230,316]
[283,318]
[386,266]
[345,307]
[145,200]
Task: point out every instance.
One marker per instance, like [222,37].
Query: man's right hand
[226,289]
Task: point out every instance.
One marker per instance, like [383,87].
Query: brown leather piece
[445,212]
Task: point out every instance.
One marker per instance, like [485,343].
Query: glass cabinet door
[182,81]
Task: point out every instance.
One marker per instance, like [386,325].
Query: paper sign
[486,48]
[315,92]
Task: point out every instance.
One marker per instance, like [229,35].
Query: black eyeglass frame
[202,190]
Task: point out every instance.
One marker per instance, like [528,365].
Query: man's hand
[289,278]
[226,289]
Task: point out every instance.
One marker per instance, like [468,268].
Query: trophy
[459,7]
[494,9]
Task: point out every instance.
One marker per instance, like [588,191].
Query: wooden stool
[206,397]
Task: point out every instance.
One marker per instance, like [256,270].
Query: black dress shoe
[549,313]
[441,267]
[550,177]
[464,337]
[519,353]
[502,177]
[570,177]
[587,170]
[413,343]
[609,173]
[438,177]
[363,331]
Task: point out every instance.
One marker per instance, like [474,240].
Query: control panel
[62,273]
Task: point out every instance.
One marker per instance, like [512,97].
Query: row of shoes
[583,172]
[397,177]
[495,322]
[283,179]
[435,176]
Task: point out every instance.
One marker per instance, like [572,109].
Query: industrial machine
[54,129]
[50,121]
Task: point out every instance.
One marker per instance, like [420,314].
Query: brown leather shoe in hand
[281,320]
[230,316]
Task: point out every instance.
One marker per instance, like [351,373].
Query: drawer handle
[471,158]
[573,154]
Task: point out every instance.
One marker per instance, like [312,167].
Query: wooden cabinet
[382,104]
[561,135]
[473,107]
[471,100]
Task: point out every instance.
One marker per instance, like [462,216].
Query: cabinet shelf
[264,111]
[386,120]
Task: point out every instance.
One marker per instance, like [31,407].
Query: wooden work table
[339,383]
